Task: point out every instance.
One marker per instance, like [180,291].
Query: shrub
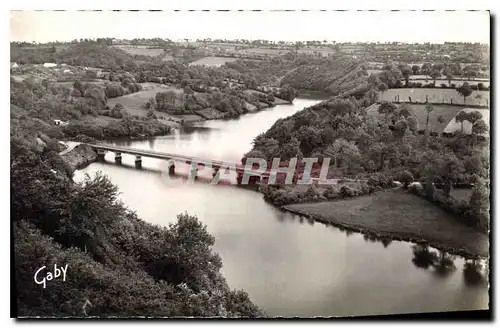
[346,191]
[406,178]
[416,189]
[430,191]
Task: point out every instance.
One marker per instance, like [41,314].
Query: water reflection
[422,257]
[475,273]
[425,258]
[445,265]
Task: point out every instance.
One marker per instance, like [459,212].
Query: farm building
[454,125]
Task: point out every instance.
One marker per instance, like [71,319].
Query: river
[288,265]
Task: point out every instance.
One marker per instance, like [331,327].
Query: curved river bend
[288,265]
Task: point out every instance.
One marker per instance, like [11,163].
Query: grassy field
[461,193]
[140,50]
[448,113]
[399,214]
[263,51]
[134,102]
[435,96]
[213,61]
[167,57]
[374,71]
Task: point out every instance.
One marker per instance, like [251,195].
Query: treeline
[118,265]
[88,54]
[392,75]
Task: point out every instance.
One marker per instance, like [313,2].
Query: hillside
[117,264]
[332,76]
[88,54]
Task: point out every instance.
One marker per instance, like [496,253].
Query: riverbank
[398,215]
[78,156]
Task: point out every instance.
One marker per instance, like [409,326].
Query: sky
[340,26]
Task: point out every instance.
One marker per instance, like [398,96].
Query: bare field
[140,50]
[436,95]
[263,51]
[213,61]
[400,214]
[373,71]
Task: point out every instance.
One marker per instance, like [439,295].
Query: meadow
[134,103]
[435,95]
[396,213]
[213,61]
[448,112]
[140,50]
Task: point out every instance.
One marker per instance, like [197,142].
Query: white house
[61,123]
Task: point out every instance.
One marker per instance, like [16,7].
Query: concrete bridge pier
[138,162]
[100,155]
[171,169]
[239,177]
[253,179]
[194,172]
[118,158]
[216,172]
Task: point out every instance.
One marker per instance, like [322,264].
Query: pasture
[140,50]
[134,103]
[448,112]
[167,57]
[398,213]
[213,61]
[374,71]
[436,95]
[263,51]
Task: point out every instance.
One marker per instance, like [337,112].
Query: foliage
[120,264]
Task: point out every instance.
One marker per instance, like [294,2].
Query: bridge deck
[167,156]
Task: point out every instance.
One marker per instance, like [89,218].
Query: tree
[387,109]
[413,124]
[343,151]
[415,69]
[480,127]
[372,96]
[406,178]
[465,90]
[382,87]
[426,68]
[405,111]
[461,117]
[406,71]
[479,97]
[429,109]
[449,76]
[435,74]
[474,116]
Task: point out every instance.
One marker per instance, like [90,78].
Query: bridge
[240,169]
